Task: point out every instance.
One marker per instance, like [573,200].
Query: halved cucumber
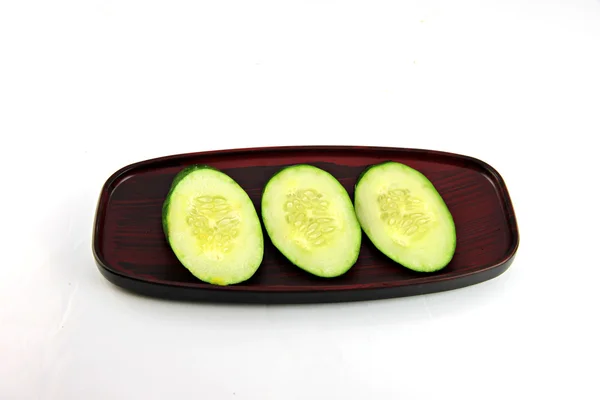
[310,219]
[405,217]
[212,226]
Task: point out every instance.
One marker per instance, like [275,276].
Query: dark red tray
[131,251]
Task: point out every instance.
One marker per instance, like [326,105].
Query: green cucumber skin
[355,249]
[178,177]
[279,171]
[367,169]
[447,214]
[167,203]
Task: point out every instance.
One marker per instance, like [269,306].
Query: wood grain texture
[131,251]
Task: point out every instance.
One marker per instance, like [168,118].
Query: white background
[87,87]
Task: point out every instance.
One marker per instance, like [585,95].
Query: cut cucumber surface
[405,217]
[310,219]
[212,226]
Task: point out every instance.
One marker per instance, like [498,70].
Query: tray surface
[131,251]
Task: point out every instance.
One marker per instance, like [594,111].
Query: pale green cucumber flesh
[310,219]
[405,217]
[212,226]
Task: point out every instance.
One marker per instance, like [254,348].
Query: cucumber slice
[405,217]
[212,226]
[310,219]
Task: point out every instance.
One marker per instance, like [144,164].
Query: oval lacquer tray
[131,251]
